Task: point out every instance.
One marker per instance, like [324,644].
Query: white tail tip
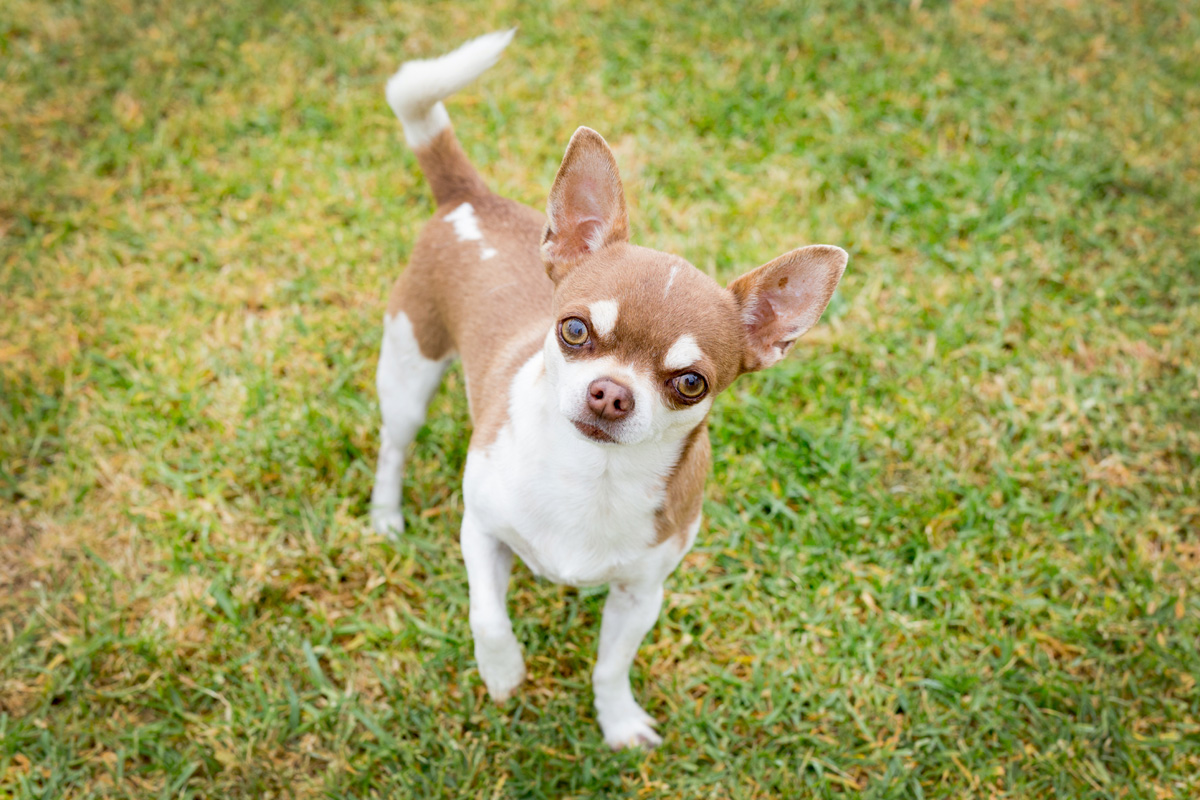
[416,90]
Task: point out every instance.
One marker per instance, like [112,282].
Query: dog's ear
[782,299]
[586,209]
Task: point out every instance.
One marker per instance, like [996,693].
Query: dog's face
[642,340]
[642,343]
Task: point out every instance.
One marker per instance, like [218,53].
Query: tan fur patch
[448,170]
[493,312]
[685,487]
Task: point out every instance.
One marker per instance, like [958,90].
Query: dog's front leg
[629,614]
[489,564]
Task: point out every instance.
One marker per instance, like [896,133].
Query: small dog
[591,365]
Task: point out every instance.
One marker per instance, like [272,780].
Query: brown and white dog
[591,366]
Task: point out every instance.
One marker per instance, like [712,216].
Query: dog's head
[643,340]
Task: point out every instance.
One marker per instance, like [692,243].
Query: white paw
[501,666]
[387,522]
[627,725]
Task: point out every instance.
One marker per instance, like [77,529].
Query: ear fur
[586,209]
[782,299]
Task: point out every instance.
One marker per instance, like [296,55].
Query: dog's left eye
[691,386]
[574,331]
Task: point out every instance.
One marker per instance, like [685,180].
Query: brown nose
[608,399]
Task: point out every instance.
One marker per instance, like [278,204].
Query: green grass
[952,545]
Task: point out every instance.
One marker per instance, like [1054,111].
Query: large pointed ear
[781,300]
[586,209]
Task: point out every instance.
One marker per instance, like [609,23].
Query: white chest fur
[576,512]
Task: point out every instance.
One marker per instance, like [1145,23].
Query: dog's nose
[609,399]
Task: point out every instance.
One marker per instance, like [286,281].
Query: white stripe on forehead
[604,316]
[683,353]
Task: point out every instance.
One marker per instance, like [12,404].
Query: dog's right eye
[574,331]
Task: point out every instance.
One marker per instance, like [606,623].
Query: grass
[952,545]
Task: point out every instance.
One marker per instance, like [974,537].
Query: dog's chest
[574,512]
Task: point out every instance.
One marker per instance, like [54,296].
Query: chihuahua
[591,366]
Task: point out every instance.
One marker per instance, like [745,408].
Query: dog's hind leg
[406,379]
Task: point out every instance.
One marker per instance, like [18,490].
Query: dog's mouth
[594,433]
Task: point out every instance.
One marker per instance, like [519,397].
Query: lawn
[952,544]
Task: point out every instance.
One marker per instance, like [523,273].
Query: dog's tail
[416,92]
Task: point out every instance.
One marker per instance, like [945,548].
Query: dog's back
[480,250]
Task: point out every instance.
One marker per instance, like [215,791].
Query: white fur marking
[420,131]
[670,281]
[604,316]
[683,353]
[405,380]
[416,90]
[466,226]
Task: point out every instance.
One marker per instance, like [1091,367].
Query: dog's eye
[691,386]
[574,331]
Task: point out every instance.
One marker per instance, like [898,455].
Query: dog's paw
[628,726]
[501,666]
[387,522]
